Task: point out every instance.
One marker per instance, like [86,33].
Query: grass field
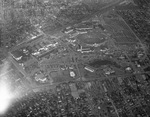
[119,30]
[92,37]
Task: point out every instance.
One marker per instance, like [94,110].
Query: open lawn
[92,37]
[119,30]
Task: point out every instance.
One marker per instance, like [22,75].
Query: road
[18,67]
[100,11]
[3,74]
[65,44]
[143,47]
[89,80]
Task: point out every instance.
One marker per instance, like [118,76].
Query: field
[119,30]
[92,37]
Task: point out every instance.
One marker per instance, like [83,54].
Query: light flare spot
[5,97]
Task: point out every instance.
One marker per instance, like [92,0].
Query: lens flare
[5,97]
